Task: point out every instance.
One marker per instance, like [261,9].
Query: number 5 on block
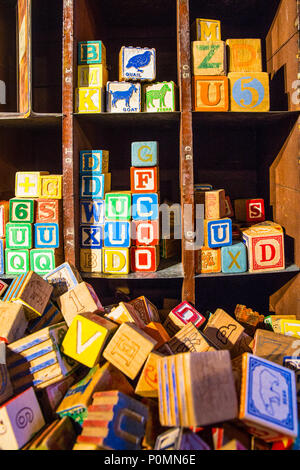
[249,91]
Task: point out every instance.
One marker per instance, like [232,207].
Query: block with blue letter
[91,236]
[144,154]
[145,206]
[46,235]
[94,161]
[94,186]
[117,233]
[92,211]
[217,233]
[249,91]
[234,258]
[137,63]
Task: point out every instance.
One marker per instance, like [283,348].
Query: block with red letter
[210,93]
[249,210]
[145,258]
[145,232]
[265,243]
[180,316]
[48,211]
[144,180]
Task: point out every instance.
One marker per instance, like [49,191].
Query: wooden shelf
[290,268]
[32,121]
[244,119]
[136,119]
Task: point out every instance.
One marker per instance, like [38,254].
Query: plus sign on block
[28,183]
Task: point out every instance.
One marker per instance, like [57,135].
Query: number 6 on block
[249,91]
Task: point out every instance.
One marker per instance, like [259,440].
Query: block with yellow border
[93,75]
[89,100]
[206,30]
[115,261]
[27,184]
[51,186]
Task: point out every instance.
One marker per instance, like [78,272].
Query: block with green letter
[19,236]
[42,261]
[209,58]
[144,154]
[16,261]
[21,210]
[118,205]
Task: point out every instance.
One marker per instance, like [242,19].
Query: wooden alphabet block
[228,207]
[234,258]
[93,75]
[217,233]
[125,312]
[48,211]
[144,154]
[189,339]
[109,416]
[92,212]
[168,440]
[94,161]
[123,97]
[89,100]
[268,404]
[210,93]
[144,258]
[144,180]
[222,330]
[249,210]
[248,318]
[268,320]
[91,52]
[21,210]
[185,389]
[78,300]
[118,205]
[144,206]
[6,390]
[209,58]
[20,419]
[207,30]
[275,346]
[157,332]
[79,397]
[18,236]
[51,187]
[3,285]
[4,217]
[63,278]
[90,260]
[147,311]
[249,92]
[95,186]
[159,97]
[59,435]
[91,236]
[2,263]
[43,260]
[265,244]
[117,234]
[287,327]
[51,316]
[46,235]
[36,360]
[16,261]
[13,321]
[115,260]
[244,55]
[129,349]
[145,232]
[215,204]
[208,260]
[180,316]
[28,183]
[147,385]
[86,337]
[137,63]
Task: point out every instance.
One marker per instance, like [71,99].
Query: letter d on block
[115,261]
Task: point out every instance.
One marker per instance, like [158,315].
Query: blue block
[46,235]
[219,233]
[117,234]
[93,161]
[91,236]
[2,258]
[234,258]
[145,206]
[92,212]
[94,186]
[144,154]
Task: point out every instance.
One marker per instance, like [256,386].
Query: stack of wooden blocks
[113,221]
[244,89]
[32,225]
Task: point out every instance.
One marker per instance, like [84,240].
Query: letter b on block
[144,154]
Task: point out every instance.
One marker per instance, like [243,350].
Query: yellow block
[95,75]
[244,55]
[51,187]
[115,260]
[89,100]
[249,91]
[86,337]
[147,385]
[208,30]
[90,260]
[287,327]
[27,184]
[209,58]
[125,312]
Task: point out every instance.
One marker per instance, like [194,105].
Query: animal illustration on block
[139,61]
[157,95]
[269,395]
[123,97]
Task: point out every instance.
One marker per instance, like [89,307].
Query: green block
[42,261]
[16,261]
[118,206]
[18,236]
[21,210]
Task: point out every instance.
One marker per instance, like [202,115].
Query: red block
[187,313]
[144,180]
[48,210]
[144,258]
[145,232]
[255,210]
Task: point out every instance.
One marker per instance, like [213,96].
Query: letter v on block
[81,347]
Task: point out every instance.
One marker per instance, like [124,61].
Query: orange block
[157,332]
[210,93]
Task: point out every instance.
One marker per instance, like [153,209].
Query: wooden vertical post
[186,149]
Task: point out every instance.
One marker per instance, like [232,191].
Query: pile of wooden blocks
[75,374]
[247,243]
[136,90]
[244,89]
[112,221]
[31,225]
